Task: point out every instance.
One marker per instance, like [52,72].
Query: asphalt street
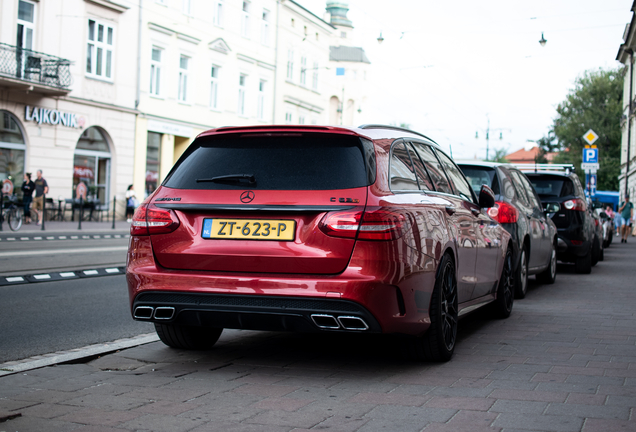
[564,361]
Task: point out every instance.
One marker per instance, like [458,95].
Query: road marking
[42,276]
[15,279]
[64,251]
[67,274]
[90,272]
[112,270]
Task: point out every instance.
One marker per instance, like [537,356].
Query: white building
[67,94]
[111,93]
[627,177]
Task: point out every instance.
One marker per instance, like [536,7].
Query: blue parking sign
[590,155]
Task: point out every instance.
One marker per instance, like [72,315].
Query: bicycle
[11,213]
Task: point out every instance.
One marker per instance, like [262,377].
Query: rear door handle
[450,210]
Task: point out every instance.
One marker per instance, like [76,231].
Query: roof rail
[397,128]
[544,167]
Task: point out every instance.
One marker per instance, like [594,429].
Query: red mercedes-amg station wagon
[317,229]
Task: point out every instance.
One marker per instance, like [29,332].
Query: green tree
[499,155]
[594,103]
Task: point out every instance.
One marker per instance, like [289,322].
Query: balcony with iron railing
[29,70]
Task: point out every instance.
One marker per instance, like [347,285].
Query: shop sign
[53,117]
[83,172]
[169,128]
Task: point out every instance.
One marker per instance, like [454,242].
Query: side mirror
[486,197]
[552,208]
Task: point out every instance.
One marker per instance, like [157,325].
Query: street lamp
[380,38]
[543,40]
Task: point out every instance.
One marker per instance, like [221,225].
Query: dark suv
[578,239]
[317,229]
[519,210]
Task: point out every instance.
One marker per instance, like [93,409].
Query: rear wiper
[229,178]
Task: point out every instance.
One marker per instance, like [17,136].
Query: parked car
[606,221]
[578,239]
[519,210]
[317,229]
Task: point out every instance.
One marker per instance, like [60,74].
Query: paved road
[26,257]
[47,317]
[564,361]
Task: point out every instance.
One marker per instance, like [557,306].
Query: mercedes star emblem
[247,197]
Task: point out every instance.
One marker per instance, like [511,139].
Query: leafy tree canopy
[499,155]
[594,103]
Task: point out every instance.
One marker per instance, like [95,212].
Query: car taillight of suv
[149,219]
[503,212]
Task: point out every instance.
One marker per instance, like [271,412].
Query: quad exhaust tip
[148,312]
[330,322]
[143,312]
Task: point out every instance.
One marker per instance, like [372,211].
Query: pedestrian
[627,212]
[131,203]
[41,189]
[27,196]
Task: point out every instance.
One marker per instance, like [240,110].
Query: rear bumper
[253,312]
[372,295]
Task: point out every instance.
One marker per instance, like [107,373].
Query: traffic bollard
[114,202]
[43,210]
[81,213]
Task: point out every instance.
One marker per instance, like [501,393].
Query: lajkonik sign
[52,117]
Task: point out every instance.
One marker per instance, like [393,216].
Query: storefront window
[91,165]
[153,159]
[12,151]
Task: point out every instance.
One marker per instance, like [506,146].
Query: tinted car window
[292,162]
[401,173]
[552,186]
[530,191]
[422,176]
[519,187]
[459,182]
[433,167]
[478,176]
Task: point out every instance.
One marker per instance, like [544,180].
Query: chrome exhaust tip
[325,321]
[164,313]
[143,312]
[352,323]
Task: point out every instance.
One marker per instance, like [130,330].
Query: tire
[521,275]
[596,251]
[189,338]
[583,265]
[502,306]
[438,343]
[548,276]
[14,219]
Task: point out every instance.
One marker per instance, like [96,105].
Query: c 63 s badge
[345,200]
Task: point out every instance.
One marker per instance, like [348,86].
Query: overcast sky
[446,67]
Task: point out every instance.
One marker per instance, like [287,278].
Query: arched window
[91,164]
[12,151]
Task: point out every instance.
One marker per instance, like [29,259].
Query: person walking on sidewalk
[27,196]
[627,212]
[131,203]
[41,188]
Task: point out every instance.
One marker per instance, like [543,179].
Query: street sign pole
[590,162]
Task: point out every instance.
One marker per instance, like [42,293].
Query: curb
[40,237]
[58,276]
[40,361]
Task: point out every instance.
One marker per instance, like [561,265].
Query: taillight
[503,212]
[373,224]
[575,204]
[149,219]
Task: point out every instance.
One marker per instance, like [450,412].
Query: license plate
[249,229]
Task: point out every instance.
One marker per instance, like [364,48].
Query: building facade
[102,94]
[627,177]
[67,97]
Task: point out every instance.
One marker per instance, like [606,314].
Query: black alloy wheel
[521,276]
[502,306]
[439,341]
[548,276]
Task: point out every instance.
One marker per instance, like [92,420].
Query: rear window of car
[478,176]
[289,161]
[552,186]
